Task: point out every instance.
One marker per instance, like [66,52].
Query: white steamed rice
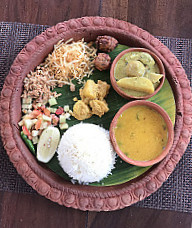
[85,153]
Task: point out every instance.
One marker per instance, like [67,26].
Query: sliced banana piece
[137,83]
[47,144]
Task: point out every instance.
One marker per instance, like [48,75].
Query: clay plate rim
[167,121]
[47,183]
[114,82]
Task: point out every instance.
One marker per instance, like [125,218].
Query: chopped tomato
[38,124]
[46,112]
[25,130]
[59,111]
[36,113]
[42,108]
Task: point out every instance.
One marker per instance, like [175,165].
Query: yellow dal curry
[141,133]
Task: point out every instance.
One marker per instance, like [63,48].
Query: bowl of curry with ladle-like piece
[137,73]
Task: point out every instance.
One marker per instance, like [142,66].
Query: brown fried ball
[106,43]
[102,61]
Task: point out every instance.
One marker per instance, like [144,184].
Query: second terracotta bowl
[114,82]
[167,120]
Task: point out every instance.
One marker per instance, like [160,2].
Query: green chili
[28,143]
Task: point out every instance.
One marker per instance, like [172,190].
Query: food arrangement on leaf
[68,104]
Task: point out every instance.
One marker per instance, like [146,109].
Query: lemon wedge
[47,144]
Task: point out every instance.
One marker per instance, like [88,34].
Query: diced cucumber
[30,106]
[46,118]
[35,139]
[39,105]
[52,110]
[35,133]
[62,119]
[52,101]
[21,123]
[27,106]
[28,123]
[63,126]
[44,125]
[67,115]
[27,100]
[66,108]
[34,121]
[24,100]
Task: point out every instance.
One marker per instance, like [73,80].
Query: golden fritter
[81,111]
[92,91]
[98,107]
[89,91]
[92,100]
[102,89]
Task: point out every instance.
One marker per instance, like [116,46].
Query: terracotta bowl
[114,82]
[169,127]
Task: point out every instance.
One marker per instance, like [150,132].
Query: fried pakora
[92,100]
[98,107]
[81,111]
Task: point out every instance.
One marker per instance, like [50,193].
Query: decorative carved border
[87,197]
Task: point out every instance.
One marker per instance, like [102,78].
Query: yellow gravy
[141,133]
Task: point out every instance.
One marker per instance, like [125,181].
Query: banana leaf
[123,171]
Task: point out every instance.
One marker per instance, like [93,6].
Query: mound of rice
[85,153]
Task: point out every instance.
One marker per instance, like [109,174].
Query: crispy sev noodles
[71,60]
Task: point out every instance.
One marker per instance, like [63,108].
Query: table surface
[170,18]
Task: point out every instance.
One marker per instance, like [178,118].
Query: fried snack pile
[71,60]
[92,100]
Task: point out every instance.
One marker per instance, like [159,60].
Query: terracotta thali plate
[49,184]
